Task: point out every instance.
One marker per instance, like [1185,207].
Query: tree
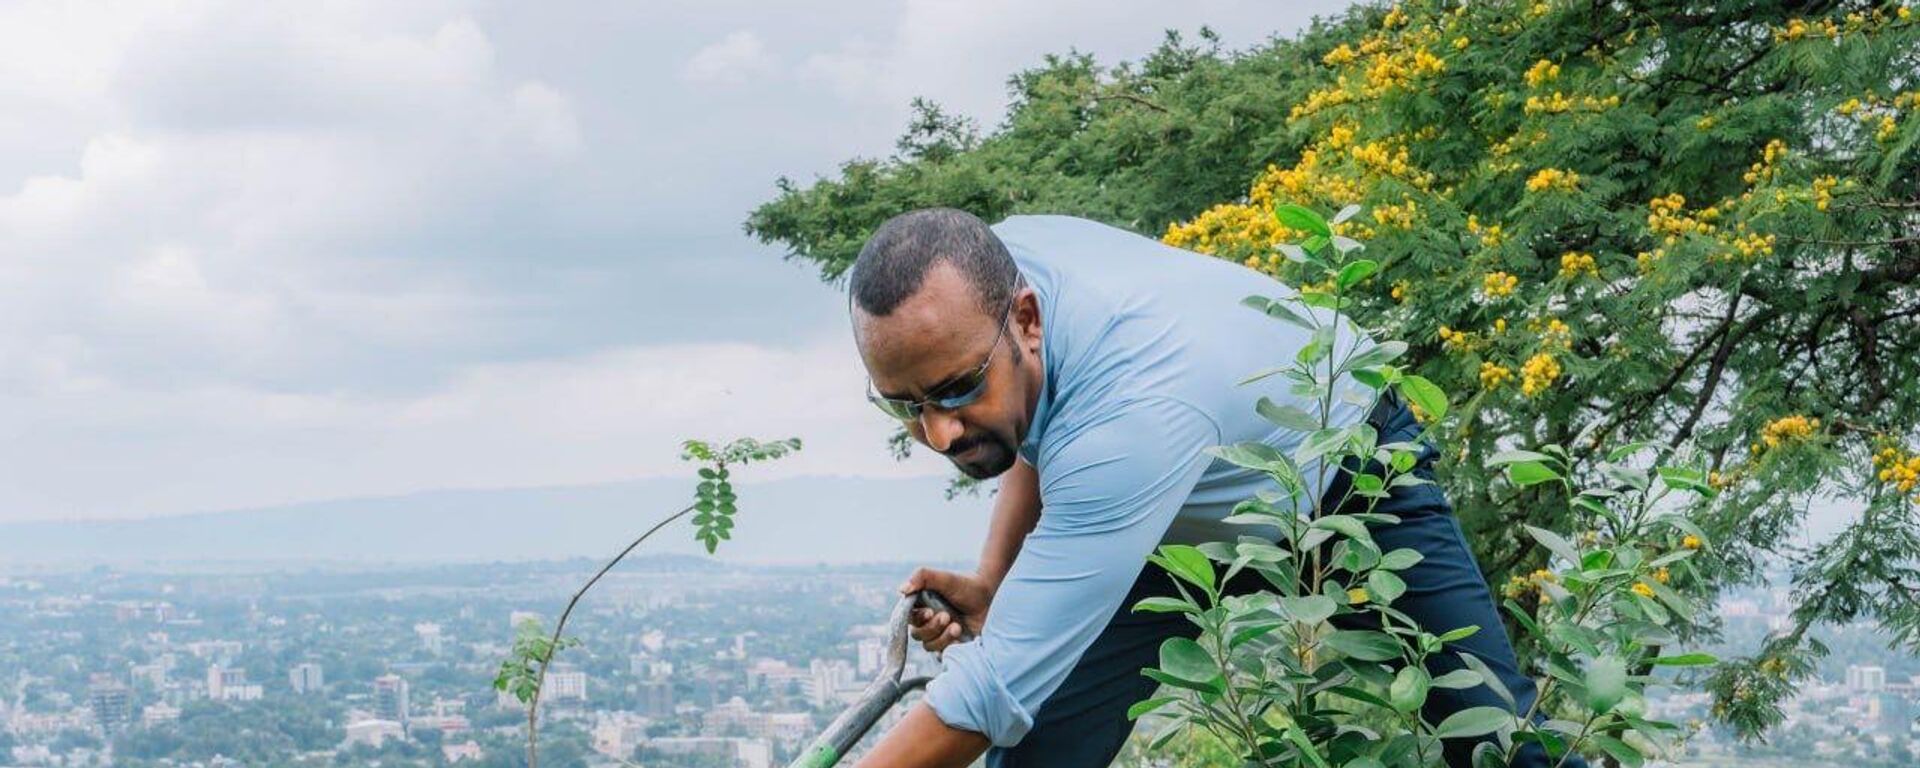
[1674,222]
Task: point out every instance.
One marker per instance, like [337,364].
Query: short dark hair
[896,258]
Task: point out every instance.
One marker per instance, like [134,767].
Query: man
[1088,368]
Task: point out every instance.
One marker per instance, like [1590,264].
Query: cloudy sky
[261,252]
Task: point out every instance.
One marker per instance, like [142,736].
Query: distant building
[390,698]
[430,637]
[224,684]
[618,737]
[373,733]
[1893,715]
[564,683]
[826,679]
[656,699]
[1866,679]
[744,753]
[306,678]
[871,655]
[112,704]
[467,750]
[155,714]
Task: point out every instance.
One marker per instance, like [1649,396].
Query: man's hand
[970,595]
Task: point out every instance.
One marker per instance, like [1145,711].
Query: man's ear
[1026,319]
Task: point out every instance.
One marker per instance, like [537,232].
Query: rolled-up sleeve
[1109,487]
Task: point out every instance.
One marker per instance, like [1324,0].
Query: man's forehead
[921,342]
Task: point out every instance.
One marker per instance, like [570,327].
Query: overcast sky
[260,252]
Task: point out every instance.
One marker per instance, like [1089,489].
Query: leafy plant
[1321,669]
[524,670]
[1596,223]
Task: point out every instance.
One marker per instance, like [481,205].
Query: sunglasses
[959,392]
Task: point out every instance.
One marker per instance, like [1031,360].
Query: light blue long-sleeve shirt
[1143,345]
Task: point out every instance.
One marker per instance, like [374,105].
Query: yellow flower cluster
[1539,373]
[1552,178]
[1770,158]
[1400,290]
[1663,575]
[1799,29]
[1647,260]
[1823,191]
[1669,218]
[1490,236]
[1396,216]
[1704,123]
[1542,71]
[1554,334]
[1228,226]
[1640,588]
[1492,375]
[1557,102]
[1573,264]
[1692,542]
[1898,469]
[1788,429]
[1455,339]
[1498,284]
[1389,158]
[1751,245]
[1517,586]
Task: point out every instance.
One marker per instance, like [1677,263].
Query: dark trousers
[1084,723]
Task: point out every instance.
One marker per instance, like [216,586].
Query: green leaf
[1525,473]
[1409,688]
[1487,676]
[1309,609]
[1365,645]
[1606,682]
[1184,659]
[1302,219]
[1504,458]
[1383,352]
[1401,559]
[1291,417]
[1424,393]
[1188,564]
[1140,708]
[1277,310]
[1356,271]
[1459,679]
[1346,525]
[1473,721]
[1620,750]
[1554,543]
[1320,443]
[1346,212]
[1685,660]
[1250,454]
[1384,586]
[1165,605]
[1460,633]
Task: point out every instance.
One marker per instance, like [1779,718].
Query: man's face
[934,339]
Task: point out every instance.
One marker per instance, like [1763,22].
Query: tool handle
[933,601]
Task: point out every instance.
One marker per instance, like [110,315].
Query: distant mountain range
[798,520]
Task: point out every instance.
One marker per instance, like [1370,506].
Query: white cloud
[613,415]
[732,60]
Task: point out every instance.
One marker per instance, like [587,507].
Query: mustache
[964,444]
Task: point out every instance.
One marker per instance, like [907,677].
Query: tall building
[872,655]
[565,682]
[431,637]
[1866,679]
[656,699]
[112,703]
[306,678]
[390,698]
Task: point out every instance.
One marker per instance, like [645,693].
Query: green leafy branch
[524,671]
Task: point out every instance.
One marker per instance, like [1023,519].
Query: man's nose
[941,428]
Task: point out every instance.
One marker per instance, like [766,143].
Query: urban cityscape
[682,662]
